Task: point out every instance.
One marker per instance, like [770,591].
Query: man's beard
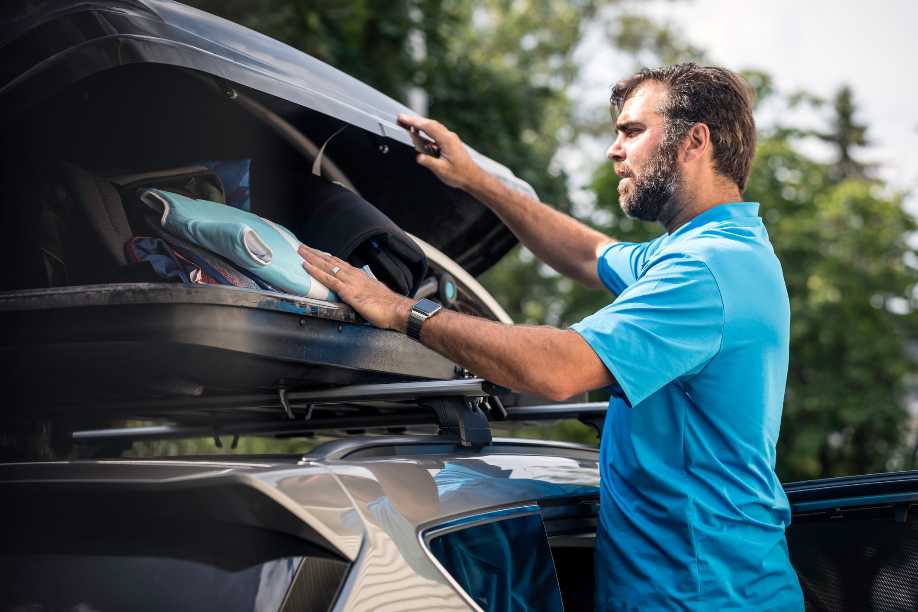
[654,191]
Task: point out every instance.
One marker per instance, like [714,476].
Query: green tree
[844,245]
[847,134]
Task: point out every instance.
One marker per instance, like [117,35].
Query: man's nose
[616,152]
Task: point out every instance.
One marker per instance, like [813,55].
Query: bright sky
[815,45]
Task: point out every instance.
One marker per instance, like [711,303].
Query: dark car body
[415,505]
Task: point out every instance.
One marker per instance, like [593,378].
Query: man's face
[644,161]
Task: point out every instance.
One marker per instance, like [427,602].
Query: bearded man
[694,347]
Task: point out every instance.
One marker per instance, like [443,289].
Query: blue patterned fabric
[234,174]
[160,257]
[176,260]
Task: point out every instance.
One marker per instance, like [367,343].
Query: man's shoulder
[742,263]
[719,245]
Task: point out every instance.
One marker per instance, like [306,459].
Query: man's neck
[682,210]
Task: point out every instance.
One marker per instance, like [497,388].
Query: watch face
[426,307]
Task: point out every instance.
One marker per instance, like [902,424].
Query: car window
[151,565]
[106,582]
[503,565]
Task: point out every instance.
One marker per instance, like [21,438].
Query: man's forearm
[547,361]
[562,242]
[558,239]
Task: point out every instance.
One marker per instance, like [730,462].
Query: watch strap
[415,320]
[417,316]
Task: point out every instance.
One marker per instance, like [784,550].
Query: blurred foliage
[499,72]
[843,243]
[568,431]
[495,71]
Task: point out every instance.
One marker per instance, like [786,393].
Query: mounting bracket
[463,418]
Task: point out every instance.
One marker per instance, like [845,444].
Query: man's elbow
[559,390]
[547,385]
[563,384]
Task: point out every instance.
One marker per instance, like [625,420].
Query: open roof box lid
[135,87]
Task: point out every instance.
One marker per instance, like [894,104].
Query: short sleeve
[619,265]
[666,325]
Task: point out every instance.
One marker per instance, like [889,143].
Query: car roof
[310,497]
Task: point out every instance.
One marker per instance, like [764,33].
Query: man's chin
[627,206]
[641,214]
[625,198]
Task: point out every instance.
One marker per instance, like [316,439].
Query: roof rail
[588,413]
[460,407]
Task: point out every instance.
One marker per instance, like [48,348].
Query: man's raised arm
[565,244]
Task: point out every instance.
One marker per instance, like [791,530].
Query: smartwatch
[422,310]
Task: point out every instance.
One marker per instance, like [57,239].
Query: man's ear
[697,142]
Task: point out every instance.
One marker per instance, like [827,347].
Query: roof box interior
[109,333]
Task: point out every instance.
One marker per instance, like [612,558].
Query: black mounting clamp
[463,418]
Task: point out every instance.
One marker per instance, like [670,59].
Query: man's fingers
[324,262]
[327,279]
[419,143]
[434,129]
[343,266]
[433,163]
[423,143]
[305,250]
[318,264]
[317,255]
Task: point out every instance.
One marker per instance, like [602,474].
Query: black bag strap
[53,221]
[100,204]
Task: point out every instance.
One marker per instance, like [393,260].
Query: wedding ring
[335,270]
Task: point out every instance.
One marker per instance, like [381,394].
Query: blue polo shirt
[692,515]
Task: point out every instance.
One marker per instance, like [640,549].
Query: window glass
[146,564]
[102,582]
[503,565]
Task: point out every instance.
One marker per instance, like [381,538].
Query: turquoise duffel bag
[257,245]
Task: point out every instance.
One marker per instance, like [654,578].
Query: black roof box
[51,47]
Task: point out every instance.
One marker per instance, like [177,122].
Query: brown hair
[714,96]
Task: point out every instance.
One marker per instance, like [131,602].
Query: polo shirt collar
[721,212]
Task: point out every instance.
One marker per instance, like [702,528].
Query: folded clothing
[259,246]
[174,259]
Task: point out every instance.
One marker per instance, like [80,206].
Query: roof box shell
[49,47]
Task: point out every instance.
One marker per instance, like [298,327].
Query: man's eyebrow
[628,125]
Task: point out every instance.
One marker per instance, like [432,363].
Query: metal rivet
[230,93]
[302,322]
[383,148]
[340,328]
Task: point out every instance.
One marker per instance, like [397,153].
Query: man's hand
[454,166]
[373,300]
